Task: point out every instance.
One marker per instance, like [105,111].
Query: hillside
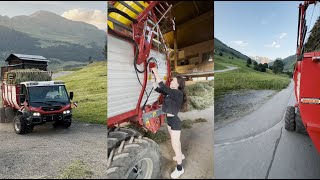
[288,63]
[49,27]
[221,47]
[260,59]
[52,36]
[89,86]
[244,77]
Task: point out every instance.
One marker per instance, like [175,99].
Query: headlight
[36,114]
[66,112]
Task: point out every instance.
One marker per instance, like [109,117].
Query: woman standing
[175,97]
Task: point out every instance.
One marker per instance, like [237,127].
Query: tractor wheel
[132,157]
[290,123]
[66,124]
[10,114]
[20,125]
[2,115]
[300,128]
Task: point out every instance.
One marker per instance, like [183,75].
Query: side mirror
[22,98]
[71,95]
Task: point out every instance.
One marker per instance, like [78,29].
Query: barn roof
[28,57]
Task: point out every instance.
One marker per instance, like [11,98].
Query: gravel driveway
[47,152]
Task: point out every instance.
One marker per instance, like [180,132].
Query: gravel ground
[237,104]
[46,152]
[197,146]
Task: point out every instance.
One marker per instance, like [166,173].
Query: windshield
[48,94]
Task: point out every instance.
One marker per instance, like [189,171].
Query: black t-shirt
[173,99]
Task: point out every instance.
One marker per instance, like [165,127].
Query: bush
[220,54]
[248,65]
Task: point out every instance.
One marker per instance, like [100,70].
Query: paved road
[258,146]
[61,73]
[229,68]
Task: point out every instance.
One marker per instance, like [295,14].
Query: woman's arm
[163,88]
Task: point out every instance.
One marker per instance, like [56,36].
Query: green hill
[90,91]
[52,36]
[244,77]
[221,47]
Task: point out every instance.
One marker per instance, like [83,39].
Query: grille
[53,108]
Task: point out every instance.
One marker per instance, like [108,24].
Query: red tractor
[28,102]
[303,117]
[135,45]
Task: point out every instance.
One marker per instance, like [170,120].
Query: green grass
[218,66]
[76,170]
[246,78]
[187,124]
[200,95]
[158,137]
[89,86]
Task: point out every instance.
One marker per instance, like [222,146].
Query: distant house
[23,61]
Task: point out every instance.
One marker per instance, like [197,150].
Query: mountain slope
[221,47]
[52,27]
[13,41]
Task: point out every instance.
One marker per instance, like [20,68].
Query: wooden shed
[24,61]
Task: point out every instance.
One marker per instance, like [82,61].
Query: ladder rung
[162,7]
[138,4]
[158,10]
[129,7]
[119,24]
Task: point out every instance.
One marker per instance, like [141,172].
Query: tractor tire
[66,124]
[10,114]
[132,157]
[20,125]
[290,123]
[300,128]
[2,115]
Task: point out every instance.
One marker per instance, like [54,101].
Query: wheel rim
[142,170]
[17,124]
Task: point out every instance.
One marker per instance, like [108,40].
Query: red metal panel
[310,88]
[121,118]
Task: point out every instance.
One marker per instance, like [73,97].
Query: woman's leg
[176,145]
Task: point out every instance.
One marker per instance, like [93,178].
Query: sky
[92,12]
[261,28]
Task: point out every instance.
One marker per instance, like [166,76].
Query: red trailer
[304,116]
[135,44]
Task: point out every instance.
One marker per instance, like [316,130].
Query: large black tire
[290,123]
[300,128]
[2,115]
[67,124]
[20,125]
[132,157]
[10,114]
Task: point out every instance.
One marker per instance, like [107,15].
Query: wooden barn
[23,61]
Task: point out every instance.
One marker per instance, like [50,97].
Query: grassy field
[90,91]
[245,77]
[219,66]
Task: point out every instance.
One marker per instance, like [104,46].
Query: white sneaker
[175,174]
[175,157]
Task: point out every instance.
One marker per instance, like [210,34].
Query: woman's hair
[181,87]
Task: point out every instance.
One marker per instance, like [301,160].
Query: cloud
[273,45]
[282,35]
[240,43]
[94,17]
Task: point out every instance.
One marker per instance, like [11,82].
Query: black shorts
[174,122]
